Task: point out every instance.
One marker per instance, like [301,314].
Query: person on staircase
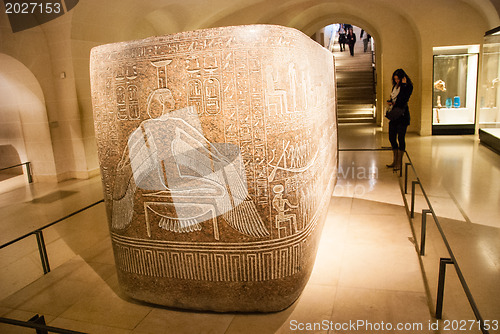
[351,40]
[402,87]
[342,38]
[366,40]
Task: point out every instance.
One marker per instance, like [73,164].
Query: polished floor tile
[86,327]
[367,267]
[104,306]
[4,310]
[379,311]
[314,305]
[462,169]
[171,321]
[328,264]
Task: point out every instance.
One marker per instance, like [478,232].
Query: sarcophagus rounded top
[218,154]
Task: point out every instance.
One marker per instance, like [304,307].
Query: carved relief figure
[161,100]
[169,157]
[286,223]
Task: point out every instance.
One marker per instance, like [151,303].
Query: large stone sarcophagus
[218,154]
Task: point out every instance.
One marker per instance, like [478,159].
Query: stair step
[354,80]
[339,116]
[342,72]
[361,94]
[355,99]
[356,120]
[356,59]
[352,100]
[353,70]
[358,82]
[358,87]
[365,92]
[354,111]
[344,88]
[357,105]
[354,67]
[355,95]
[363,69]
[358,90]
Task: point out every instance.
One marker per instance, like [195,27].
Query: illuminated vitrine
[489,92]
[454,90]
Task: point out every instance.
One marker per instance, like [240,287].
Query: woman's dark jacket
[405,90]
[350,39]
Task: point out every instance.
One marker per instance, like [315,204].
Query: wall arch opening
[353,48]
[23,118]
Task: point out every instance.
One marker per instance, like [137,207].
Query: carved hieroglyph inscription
[218,151]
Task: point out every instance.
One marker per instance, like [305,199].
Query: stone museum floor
[367,267]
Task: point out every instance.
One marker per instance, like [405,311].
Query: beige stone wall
[23,118]
[404,31]
[58,152]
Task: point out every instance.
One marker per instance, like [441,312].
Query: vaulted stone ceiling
[137,19]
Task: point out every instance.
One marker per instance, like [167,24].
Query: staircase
[355,91]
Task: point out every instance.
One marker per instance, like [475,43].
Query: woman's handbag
[393,113]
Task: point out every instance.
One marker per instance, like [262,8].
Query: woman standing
[402,87]
[351,40]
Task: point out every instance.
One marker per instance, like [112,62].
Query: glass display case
[489,92]
[454,91]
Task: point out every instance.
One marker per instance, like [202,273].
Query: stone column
[218,154]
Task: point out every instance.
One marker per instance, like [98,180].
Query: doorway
[355,71]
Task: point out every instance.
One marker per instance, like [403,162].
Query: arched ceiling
[116,20]
[489,8]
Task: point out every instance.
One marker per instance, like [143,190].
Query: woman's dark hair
[400,73]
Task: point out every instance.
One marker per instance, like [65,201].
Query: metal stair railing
[443,261]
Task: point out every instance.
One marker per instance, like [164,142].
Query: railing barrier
[40,240]
[38,322]
[27,167]
[443,262]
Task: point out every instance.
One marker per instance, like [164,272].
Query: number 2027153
[33,8]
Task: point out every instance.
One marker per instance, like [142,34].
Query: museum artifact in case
[218,155]
[489,98]
[454,90]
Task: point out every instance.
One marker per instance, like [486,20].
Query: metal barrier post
[37,325]
[423,231]
[406,177]
[413,198]
[401,167]
[440,293]
[43,251]
[28,172]
[36,319]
